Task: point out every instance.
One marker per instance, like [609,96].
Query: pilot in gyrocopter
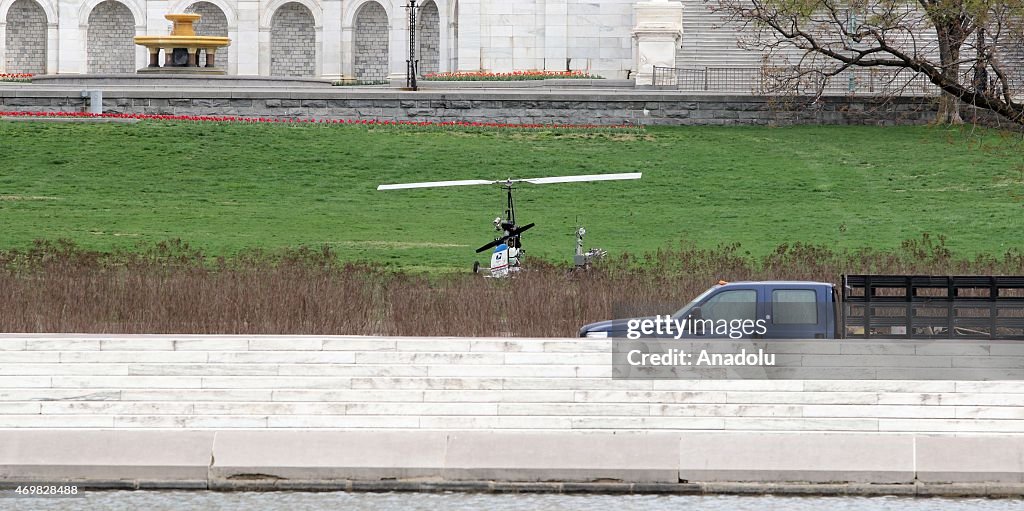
[507,247]
[508,229]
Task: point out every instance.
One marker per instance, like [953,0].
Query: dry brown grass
[170,288]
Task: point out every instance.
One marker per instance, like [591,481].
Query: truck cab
[779,309]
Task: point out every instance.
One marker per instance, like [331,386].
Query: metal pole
[410,68]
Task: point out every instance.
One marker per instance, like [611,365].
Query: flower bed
[16,77]
[509,77]
[353,122]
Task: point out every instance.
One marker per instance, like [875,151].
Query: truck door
[726,310]
[797,312]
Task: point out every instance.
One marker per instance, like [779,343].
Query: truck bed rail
[933,307]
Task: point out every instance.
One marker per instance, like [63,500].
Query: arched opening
[292,41]
[429,39]
[110,47]
[371,43]
[214,23]
[26,38]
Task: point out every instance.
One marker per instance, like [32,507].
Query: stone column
[469,35]
[348,56]
[73,32]
[331,47]
[658,30]
[232,50]
[3,46]
[398,41]
[156,24]
[154,9]
[318,43]
[443,55]
[247,38]
[499,26]
[263,55]
[556,34]
[52,45]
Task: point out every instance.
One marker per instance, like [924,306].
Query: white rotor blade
[536,181]
[433,184]
[576,179]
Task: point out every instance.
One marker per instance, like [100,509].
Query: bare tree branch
[933,39]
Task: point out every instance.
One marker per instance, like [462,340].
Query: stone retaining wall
[532,106]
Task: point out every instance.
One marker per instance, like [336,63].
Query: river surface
[300,501]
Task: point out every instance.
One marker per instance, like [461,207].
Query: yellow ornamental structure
[182,48]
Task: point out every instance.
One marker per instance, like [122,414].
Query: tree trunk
[949,56]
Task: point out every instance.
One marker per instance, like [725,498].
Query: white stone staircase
[324,382]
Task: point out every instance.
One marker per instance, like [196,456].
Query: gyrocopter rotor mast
[510,211]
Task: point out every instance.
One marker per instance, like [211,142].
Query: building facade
[332,39]
[362,39]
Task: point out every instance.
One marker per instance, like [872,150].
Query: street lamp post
[412,63]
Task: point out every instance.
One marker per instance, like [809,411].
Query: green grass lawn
[228,187]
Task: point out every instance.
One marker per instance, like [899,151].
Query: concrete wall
[516,106]
[233,412]
[844,464]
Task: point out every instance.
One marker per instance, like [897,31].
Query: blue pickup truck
[864,306]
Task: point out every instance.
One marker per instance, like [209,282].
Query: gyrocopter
[506,257]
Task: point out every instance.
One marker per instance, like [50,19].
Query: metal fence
[768,80]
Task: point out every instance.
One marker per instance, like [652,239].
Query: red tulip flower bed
[508,77]
[352,122]
[16,77]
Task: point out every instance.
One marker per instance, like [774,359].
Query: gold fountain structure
[181,48]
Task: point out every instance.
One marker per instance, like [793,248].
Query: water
[301,501]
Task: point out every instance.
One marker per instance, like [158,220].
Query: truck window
[729,305]
[794,307]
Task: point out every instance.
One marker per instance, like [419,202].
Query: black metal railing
[783,80]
